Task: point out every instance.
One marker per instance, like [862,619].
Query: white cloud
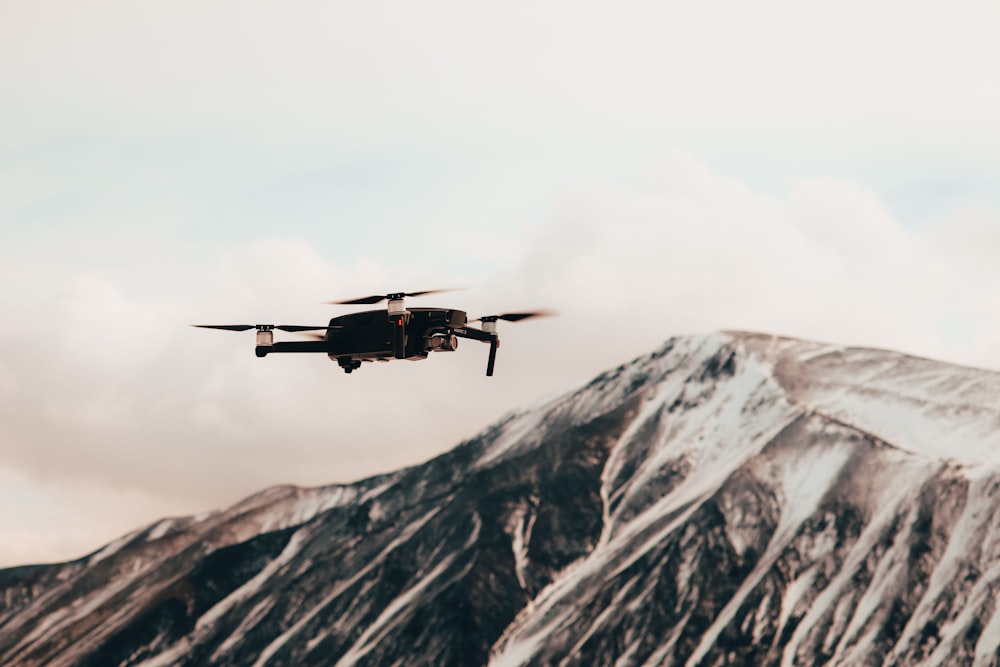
[115,391]
[826,261]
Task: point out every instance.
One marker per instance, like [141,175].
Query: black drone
[397,332]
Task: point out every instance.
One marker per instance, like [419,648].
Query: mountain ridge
[730,498]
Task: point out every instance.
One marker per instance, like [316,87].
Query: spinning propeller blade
[513,317]
[354,302]
[226,327]
[282,327]
[375,298]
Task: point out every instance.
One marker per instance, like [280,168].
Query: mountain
[729,499]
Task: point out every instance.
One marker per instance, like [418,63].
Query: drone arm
[293,346]
[484,336]
[474,334]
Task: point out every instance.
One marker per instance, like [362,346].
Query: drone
[397,332]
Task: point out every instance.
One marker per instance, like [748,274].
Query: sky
[646,169]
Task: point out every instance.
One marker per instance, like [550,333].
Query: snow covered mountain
[730,499]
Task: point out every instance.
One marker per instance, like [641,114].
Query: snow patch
[805,479]
[893,486]
[339,589]
[253,585]
[394,613]
[519,527]
[160,530]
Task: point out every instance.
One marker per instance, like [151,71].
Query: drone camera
[443,343]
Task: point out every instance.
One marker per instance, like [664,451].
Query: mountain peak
[920,405]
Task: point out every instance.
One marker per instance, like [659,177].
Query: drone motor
[396,308]
[265,335]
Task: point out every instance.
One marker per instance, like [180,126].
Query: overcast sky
[647,169]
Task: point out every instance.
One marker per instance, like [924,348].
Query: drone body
[383,335]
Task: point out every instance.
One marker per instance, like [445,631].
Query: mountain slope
[728,499]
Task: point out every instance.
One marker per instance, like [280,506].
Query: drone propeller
[376,298]
[513,317]
[226,327]
[281,327]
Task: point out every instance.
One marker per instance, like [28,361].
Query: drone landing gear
[494,344]
[349,365]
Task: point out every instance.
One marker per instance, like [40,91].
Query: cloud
[826,261]
[106,387]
